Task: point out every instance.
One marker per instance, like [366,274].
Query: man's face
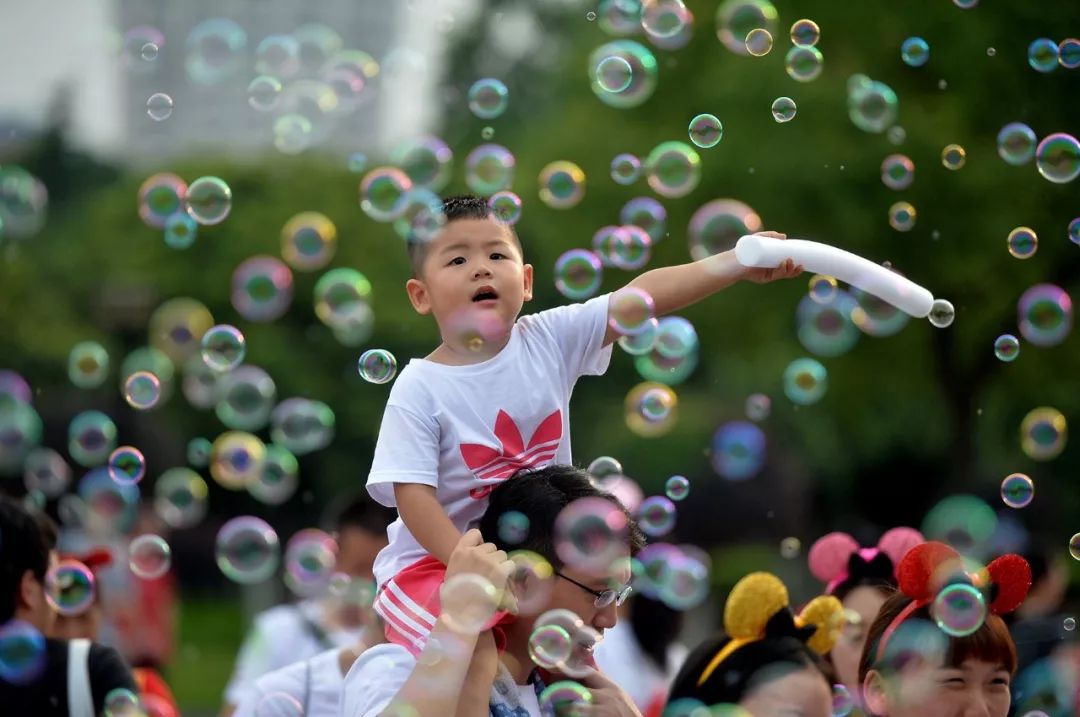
[357,549]
[566,595]
[473,274]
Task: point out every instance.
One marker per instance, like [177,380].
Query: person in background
[1047,650]
[53,678]
[290,633]
[769,662]
[154,693]
[641,654]
[862,579]
[912,666]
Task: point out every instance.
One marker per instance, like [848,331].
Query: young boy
[493,398]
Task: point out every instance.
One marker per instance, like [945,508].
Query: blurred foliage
[906,421]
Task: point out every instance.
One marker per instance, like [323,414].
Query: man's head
[540,495]
[471,270]
[360,529]
[26,545]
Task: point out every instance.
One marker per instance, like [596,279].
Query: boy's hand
[788,268]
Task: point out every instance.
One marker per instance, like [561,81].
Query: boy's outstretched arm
[426,519]
[675,287]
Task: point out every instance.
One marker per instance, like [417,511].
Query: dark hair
[540,495]
[655,626]
[878,573]
[365,514]
[465,206]
[748,666]
[25,541]
[991,642]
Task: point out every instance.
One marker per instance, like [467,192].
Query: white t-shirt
[314,684]
[378,675]
[464,429]
[281,636]
[621,658]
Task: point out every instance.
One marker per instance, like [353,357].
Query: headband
[837,558]
[929,567]
[758,608]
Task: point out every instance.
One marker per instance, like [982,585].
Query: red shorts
[409,605]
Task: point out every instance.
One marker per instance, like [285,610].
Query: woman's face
[800,692]
[865,602]
[974,689]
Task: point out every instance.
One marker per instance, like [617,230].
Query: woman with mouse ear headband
[861,578]
[768,660]
[939,647]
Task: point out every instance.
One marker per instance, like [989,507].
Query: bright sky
[46,42]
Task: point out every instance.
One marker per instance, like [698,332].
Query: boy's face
[473,272]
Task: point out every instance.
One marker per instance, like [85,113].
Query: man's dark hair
[540,495]
[366,514]
[25,542]
[465,206]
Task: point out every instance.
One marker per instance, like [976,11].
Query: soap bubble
[159,106]
[22,652]
[630,310]
[377,366]
[790,548]
[897,171]
[759,42]
[488,98]
[1016,143]
[651,409]
[1017,490]
[1057,157]
[902,216]
[127,465]
[1043,433]
[591,534]
[263,93]
[88,364]
[215,51]
[677,487]
[262,288]
[550,646]
[246,397]
[91,438]
[673,169]
[718,224]
[647,213]
[310,557]
[872,105]
[953,157]
[614,74]
[758,407]
[1023,242]
[223,347]
[942,313]
[566,698]
[208,200]
[643,73]
[1045,315]
[506,207]
[783,109]
[45,471]
[489,169]
[959,610]
[656,515]
[308,241]
[160,197]
[805,381]
[70,587]
[247,550]
[625,169]
[915,52]
[805,33]
[735,19]
[578,274]
[804,64]
[180,497]
[562,185]
[149,556]
[1007,347]
[706,131]
[180,231]
[382,193]
[662,18]
[842,701]
[1043,55]
[278,479]
[236,458]
[738,450]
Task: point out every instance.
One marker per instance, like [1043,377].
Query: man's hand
[609,700]
[788,268]
[466,605]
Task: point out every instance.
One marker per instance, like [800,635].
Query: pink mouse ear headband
[837,558]
[927,568]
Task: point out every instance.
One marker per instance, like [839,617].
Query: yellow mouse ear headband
[758,609]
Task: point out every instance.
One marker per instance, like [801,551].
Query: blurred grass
[210,631]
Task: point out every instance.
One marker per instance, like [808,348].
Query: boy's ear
[418,296]
[528,273]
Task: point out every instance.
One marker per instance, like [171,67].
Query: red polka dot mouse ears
[837,557]
[929,567]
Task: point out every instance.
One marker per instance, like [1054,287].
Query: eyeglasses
[603,597]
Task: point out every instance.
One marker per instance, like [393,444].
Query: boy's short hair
[465,206]
[25,541]
[540,495]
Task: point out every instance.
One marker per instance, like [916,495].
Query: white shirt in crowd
[281,636]
[313,684]
[621,658]
[378,675]
[463,429]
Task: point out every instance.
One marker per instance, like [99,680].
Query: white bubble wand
[767,253]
